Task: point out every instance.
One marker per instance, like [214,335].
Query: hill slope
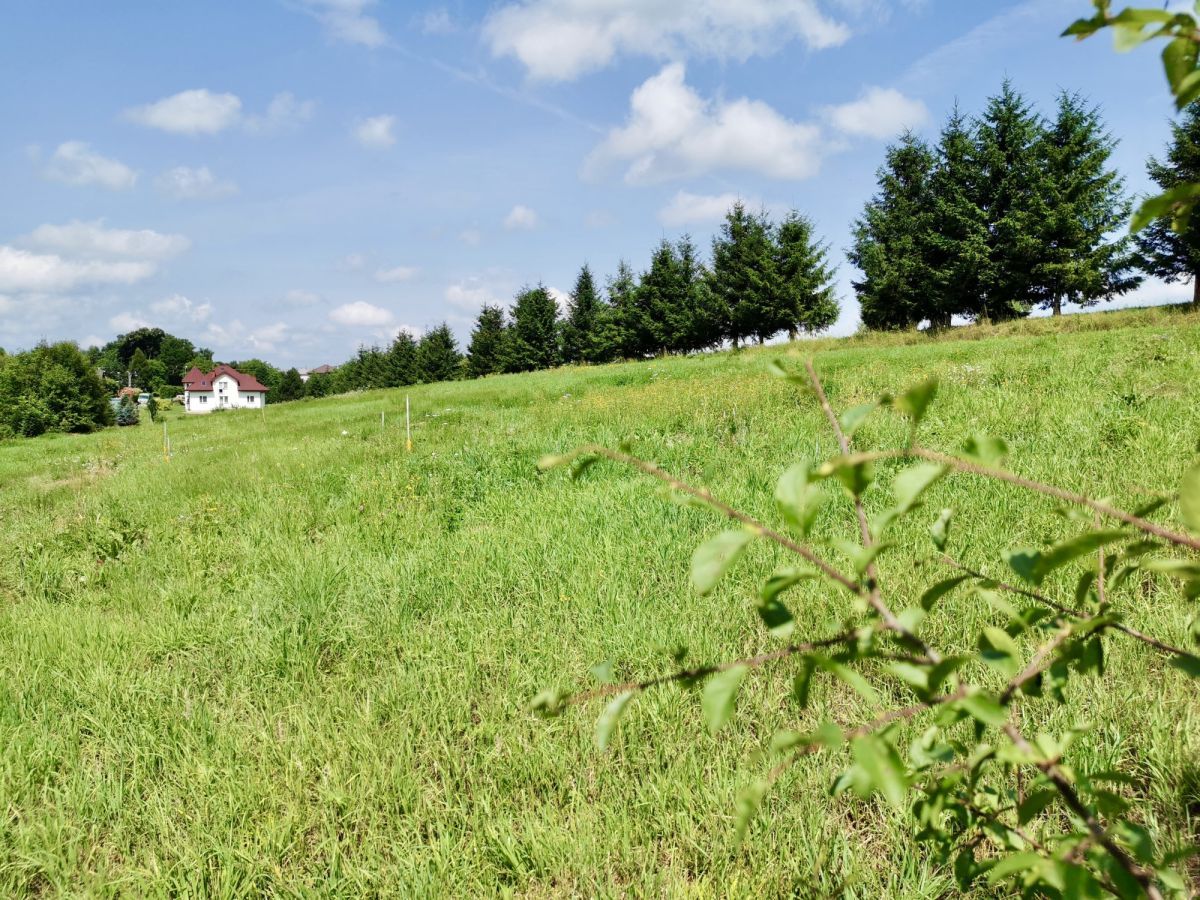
[295,657]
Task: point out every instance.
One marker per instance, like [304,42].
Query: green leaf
[855,416]
[1034,803]
[985,709]
[881,764]
[777,617]
[914,676]
[1189,499]
[607,722]
[861,557]
[1000,651]
[986,449]
[940,590]
[802,682]
[844,673]
[603,671]
[855,476]
[939,531]
[720,695]
[1186,663]
[1179,60]
[1012,864]
[749,799]
[713,558]
[911,483]
[783,579]
[915,401]
[1034,565]
[799,498]
[1176,203]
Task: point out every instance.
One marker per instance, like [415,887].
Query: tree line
[1010,212]
[1007,212]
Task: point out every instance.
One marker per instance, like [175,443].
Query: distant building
[305,374]
[222,388]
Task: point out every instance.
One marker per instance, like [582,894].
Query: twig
[973,468]
[875,598]
[704,671]
[723,508]
[1036,665]
[1066,610]
[1071,798]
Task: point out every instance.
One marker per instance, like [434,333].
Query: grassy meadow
[295,659]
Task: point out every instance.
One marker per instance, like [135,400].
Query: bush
[127,412]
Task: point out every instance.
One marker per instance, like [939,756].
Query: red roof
[195,380]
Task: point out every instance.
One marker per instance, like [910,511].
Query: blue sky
[292,178]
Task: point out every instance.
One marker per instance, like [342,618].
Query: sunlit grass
[295,660]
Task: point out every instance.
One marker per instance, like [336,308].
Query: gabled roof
[321,370]
[195,380]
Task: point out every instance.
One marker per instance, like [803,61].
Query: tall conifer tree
[438,358]
[891,246]
[743,274]
[579,333]
[1085,203]
[1013,187]
[531,341]
[804,279]
[1166,253]
[487,339]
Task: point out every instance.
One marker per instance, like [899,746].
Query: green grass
[295,661]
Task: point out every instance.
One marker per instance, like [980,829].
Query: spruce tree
[487,339]
[659,323]
[1013,186]
[531,341]
[401,365]
[619,326]
[742,274]
[579,333]
[1164,252]
[803,288]
[958,254]
[290,387]
[438,358]
[1085,202]
[891,246]
[705,318]
[137,367]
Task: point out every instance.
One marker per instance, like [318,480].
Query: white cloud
[686,208]
[438,21]
[360,313]
[562,39]
[398,273]
[672,132]
[124,322]
[347,20]
[24,271]
[376,131]
[878,113]
[561,298]
[521,218]
[74,162]
[470,295]
[92,239]
[264,339]
[470,236]
[187,183]
[92,340]
[284,113]
[180,307]
[198,111]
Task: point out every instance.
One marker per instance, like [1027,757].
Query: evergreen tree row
[435,357]
[764,279]
[1007,213]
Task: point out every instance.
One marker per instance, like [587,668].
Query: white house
[222,388]
[306,374]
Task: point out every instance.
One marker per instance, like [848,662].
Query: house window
[203,399]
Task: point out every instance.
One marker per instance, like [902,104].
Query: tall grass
[294,660]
